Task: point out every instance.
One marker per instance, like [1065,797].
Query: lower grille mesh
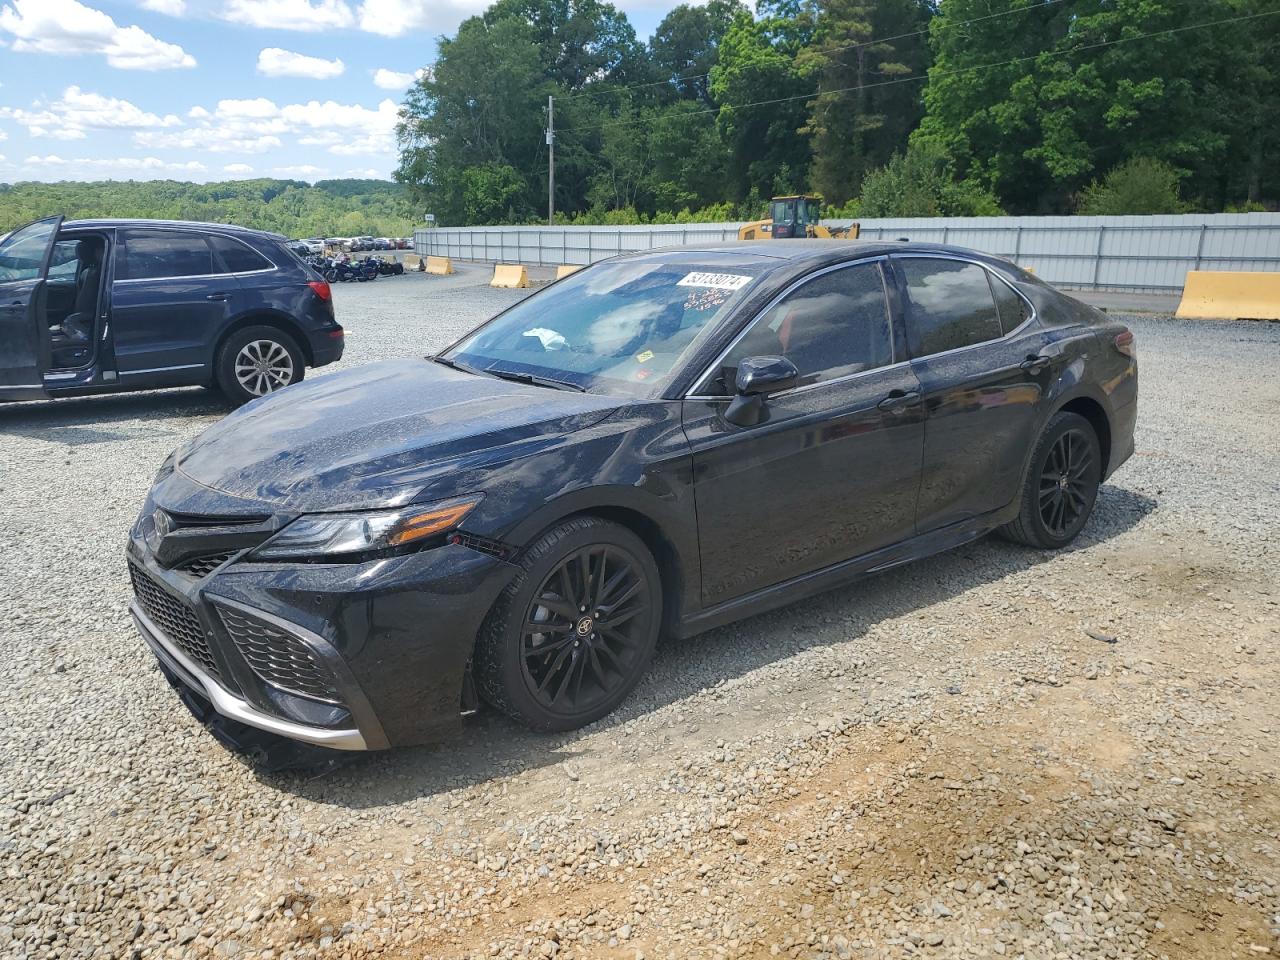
[176,620]
[205,565]
[278,657]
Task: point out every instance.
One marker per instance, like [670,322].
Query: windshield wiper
[534,380]
[454,365]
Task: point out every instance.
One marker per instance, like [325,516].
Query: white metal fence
[1101,253]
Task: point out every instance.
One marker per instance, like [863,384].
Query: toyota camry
[655,445]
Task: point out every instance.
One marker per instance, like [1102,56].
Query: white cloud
[3,135]
[258,125]
[395,18]
[305,171]
[303,15]
[69,28]
[237,168]
[274,62]
[77,111]
[393,80]
[115,166]
[170,8]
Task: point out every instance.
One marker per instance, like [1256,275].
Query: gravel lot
[995,752]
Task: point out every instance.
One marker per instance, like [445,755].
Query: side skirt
[845,572]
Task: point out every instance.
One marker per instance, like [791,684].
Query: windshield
[615,328]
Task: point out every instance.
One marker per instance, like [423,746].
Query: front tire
[1061,485]
[256,361]
[572,635]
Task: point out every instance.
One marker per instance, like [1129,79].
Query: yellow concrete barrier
[411,261]
[509,275]
[439,266]
[565,269]
[1230,295]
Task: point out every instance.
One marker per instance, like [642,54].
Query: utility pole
[551,161]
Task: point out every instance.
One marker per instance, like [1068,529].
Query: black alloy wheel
[585,628]
[1064,491]
[570,637]
[1061,486]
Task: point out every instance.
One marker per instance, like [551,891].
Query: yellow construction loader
[795,216]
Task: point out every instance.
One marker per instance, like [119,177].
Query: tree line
[885,107]
[327,208]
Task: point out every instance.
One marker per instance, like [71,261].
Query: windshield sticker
[644,357]
[719,281]
[549,338]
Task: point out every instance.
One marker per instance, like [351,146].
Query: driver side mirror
[757,378]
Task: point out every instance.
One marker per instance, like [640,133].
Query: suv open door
[24,339]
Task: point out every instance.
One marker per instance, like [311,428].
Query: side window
[1013,309]
[238,257]
[832,326]
[949,305]
[153,255]
[64,263]
[22,252]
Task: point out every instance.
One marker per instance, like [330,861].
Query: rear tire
[256,361]
[572,635]
[1061,485]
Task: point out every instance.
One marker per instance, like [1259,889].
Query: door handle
[1035,364]
[898,401]
[218,296]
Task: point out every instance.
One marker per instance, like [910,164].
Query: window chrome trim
[197,276]
[1032,316]
[795,285]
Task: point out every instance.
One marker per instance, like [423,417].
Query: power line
[842,49]
[939,73]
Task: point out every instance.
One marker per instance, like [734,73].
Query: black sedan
[658,444]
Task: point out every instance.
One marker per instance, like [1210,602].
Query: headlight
[338,534]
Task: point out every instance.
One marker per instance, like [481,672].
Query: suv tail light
[321,288]
[1126,344]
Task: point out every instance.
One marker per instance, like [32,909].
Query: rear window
[949,305]
[238,257]
[161,254]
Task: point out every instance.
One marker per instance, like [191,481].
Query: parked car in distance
[311,245]
[98,306]
[661,442]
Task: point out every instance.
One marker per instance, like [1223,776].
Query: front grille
[203,566]
[279,657]
[175,619]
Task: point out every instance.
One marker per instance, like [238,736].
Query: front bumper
[231,706]
[345,656]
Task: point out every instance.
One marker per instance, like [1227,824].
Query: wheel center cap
[585,626]
[1062,482]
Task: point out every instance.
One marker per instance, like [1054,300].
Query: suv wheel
[256,361]
[572,635]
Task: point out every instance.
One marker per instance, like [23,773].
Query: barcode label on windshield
[718,281]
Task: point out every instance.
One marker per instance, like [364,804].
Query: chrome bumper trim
[232,706]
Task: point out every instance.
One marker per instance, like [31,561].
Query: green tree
[1035,103]
[866,106]
[479,106]
[920,183]
[1137,186]
[686,44]
[760,91]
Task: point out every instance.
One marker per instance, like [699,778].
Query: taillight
[321,288]
[1126,344]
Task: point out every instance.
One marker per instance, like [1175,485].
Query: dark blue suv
[95,306]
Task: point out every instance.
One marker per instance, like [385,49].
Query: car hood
[379,435]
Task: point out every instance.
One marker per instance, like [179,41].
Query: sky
[217,89]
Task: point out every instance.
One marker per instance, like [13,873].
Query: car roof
[178,224]
[806,252]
